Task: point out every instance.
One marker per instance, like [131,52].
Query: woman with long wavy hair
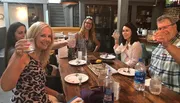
[87,32]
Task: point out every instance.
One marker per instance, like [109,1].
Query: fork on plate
[78,62]
[80,79]
[106,55]
[127,71]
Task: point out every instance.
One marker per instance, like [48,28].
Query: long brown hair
[11,39]
[91,31]
[134,36]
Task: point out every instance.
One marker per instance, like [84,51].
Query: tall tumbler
[71,44]
[82,49]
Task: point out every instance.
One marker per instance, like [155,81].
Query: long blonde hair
[36,30]
[91,31]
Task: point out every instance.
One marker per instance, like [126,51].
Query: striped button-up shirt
[164,65]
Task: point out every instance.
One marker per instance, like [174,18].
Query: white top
[131,54]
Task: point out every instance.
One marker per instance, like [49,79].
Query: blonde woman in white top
[129,46]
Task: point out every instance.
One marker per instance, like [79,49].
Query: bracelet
[116,41]
[19,52]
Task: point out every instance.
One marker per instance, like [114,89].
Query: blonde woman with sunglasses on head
[87,32]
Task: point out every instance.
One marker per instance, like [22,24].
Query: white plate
[77,62]
[110,56]
[73,78]
[123,71]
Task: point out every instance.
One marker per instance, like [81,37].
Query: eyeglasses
[165,27]
[88,23]
[89,17]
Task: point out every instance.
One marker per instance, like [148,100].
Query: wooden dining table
[127,92]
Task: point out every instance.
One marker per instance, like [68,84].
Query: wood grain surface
[127,93]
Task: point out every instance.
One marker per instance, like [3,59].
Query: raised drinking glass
[155,85]
[30,45]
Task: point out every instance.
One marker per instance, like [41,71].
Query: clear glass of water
[116,34]
[101,75]
[71,40]
[79,55]
[30,46]
[116,86]
[155,85]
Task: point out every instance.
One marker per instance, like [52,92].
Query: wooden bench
[65,30]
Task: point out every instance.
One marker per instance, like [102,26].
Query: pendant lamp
[69,2]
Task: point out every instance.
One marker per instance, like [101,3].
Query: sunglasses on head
[89,17]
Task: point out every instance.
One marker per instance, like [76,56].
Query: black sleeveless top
[30,87]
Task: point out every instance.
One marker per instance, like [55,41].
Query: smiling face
[88,24]
[126,32]
[20,33]
[44,39]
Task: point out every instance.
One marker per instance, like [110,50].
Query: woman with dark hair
[87,32]
[130,47]
[15,32]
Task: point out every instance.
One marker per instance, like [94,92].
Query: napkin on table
[112,69]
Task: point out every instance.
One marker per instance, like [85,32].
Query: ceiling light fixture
[66,2]
[69,2]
